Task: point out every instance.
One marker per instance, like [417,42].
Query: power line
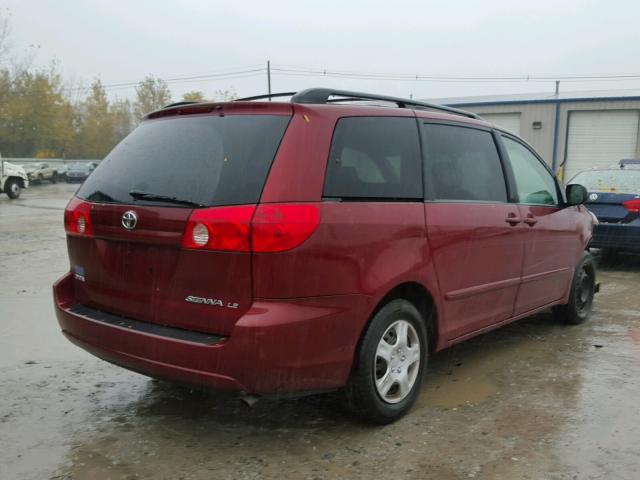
[309,72]
[180,79]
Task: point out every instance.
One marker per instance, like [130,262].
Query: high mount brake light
[77,218]
[632,205]
[266,228]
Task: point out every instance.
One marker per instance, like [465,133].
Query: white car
[13,179]
[38,172]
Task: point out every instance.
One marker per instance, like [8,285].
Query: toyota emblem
[129,219]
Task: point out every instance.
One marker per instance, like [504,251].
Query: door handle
[512,219]
[530,220]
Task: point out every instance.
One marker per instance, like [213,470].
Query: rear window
[209,160]
[613,181]
[375,158]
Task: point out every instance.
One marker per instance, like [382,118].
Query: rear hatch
[609,189]
[130,258]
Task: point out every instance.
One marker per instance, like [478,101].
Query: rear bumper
[280,346]
[619,236]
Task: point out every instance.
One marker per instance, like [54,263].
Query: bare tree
[5,32]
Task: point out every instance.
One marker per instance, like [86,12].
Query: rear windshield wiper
[163,198]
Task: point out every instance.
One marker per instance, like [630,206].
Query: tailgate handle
[530,220]
[512,219]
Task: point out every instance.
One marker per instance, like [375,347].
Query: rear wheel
[390,363]
[12,188]
[583,288]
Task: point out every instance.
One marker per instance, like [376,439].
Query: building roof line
[542,100]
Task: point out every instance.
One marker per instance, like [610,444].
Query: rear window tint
[615,181]
[463,164]
[374,158]
[210,160]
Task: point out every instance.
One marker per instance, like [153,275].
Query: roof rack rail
[321,95]
[268,95]
[177,104]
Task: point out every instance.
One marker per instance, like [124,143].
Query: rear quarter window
[374,158]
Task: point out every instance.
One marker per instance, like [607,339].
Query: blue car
[614,198]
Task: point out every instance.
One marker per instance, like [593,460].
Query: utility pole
[269,78]
[557,87]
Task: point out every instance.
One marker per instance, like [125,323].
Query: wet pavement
[533,400]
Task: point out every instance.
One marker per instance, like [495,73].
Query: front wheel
[12,188]
[390,363]
[54,177]
[583,289]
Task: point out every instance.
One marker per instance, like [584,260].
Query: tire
[381,351]
[583,288]
[12,188]
[54,177]
[40,179]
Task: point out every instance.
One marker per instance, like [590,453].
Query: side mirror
[576,194]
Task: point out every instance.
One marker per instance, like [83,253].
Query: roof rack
[177,104]
[321,95]
[629,161]
[268,95]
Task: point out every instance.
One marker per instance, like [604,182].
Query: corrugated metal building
[572,131]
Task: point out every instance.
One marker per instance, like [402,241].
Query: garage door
[507,121]
[600,139]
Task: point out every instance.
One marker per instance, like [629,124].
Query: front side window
[462,164]
[374,158]
[534,184]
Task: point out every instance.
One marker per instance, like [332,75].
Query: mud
[533,400]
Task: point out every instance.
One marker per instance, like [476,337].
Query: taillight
[632,205]
[219,228]
[280,227]
[263,229]
[77,218]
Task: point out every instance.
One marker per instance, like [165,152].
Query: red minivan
[327,243]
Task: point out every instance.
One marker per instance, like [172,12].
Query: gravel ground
[533,400]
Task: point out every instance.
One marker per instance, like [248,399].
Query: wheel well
[18,179]
[422,300]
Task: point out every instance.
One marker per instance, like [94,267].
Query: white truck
[13,179]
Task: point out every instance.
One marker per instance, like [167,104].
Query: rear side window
[375,158]
[209,160]
[463,164]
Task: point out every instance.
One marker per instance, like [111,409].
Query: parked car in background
[78,172]
[38,172]
[314,246]
[62,171]
[13,179]
[614,198]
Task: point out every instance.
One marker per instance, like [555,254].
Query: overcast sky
[122,41]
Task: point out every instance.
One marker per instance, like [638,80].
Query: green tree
[193,96]
[122,119]
[34,114]
[95,125]
[151,94]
